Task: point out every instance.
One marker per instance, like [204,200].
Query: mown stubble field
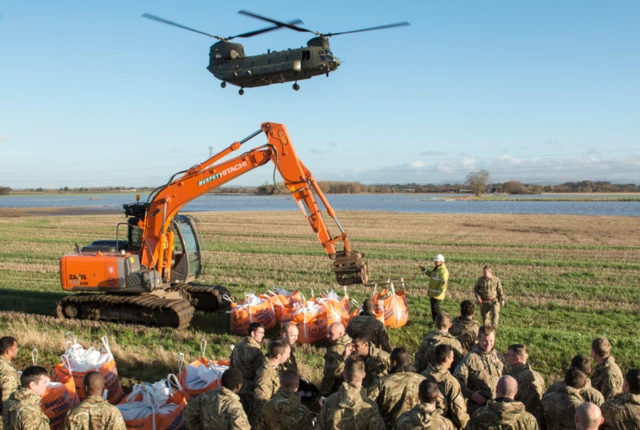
[568,279]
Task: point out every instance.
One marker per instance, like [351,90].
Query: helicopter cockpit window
[306,55]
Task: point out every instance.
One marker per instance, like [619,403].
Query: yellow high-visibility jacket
[438,280]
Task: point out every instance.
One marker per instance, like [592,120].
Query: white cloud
[4,138]
[432,153]
[315,151]
[416,164]
[524,147]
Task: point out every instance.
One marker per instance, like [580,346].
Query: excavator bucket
[351,268]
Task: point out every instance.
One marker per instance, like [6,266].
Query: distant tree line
[4,191]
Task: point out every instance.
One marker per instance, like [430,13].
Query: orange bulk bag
[337,308]
[83,361]
[201,375]
[311,320]
[154,406]
[60,396]
[394,305]
[252,309]
[282,299]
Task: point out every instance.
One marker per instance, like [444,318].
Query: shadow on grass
[30,302]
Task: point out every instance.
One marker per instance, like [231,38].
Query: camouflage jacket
[454,405]
[530,389]
[588,393]
[334,366]
[559,407]
[247,357]
[351,409]
[607,378]
[95,413]
[367,323]
[622,412]
[466,331]
[9,380]
[215,410]
[423,416]
[427,349]
[488,289]
[479,371]
[504,415]
[291,363]
[267,384]
[376,365]
[396,393]
[284,412]
[22,412]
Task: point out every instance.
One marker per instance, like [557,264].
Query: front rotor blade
[380,27]
[264,30]
[276,22]
[175,24]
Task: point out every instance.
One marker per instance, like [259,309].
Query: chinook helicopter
[229,63]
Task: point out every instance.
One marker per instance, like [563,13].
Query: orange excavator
[148,278]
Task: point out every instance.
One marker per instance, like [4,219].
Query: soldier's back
[426,350]
[559,407]
[622,412]
[395,394]
[607,378]
[95,413]
[350,409]
[530,388]
[503,415]
[453,403]
[365,323]
[22,412]
[423,416]
[465,331]
[216,410]
[376,365]
[285,412]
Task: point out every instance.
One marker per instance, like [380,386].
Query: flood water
[420,203]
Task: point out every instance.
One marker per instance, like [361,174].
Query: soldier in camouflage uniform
[588,393]
[334,359]
[369,323]
[465,327]
[559,406]
[350,408]
[607,376]
[489,294]
[289,333]
[588,417]
[623,411]
[9,378]
[22,410]
[396,392]
[479,372]
[440,335]
[504,412]
[94,412]
[247,357]
[530,383]
[376,361]
[451,402]
[424,415]
[219,409]
[268,377]
[284,411]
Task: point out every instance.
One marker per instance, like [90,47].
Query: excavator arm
[157,246]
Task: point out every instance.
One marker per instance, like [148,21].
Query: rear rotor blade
[264,30]
[380,27]
[175,24]
[276,22]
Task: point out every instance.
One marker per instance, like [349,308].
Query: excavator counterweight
[149,278]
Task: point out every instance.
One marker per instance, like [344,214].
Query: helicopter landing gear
[296,87]
[241,92]
[223,84]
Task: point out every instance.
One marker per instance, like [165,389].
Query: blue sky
[538,91]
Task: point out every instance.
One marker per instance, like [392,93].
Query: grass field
[568,279]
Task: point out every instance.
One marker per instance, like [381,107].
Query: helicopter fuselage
[228,62]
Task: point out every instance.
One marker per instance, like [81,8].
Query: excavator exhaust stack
[351,268]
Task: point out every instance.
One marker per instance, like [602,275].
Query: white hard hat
[439,257]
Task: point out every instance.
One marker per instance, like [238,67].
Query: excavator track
[147,309]
[204,297]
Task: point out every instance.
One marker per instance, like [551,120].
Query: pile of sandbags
[252,309]
[282,299]
[392,307]
[201,375]
[155,406]
[81,361]
[315,316]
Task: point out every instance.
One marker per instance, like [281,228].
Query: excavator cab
[187,254]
